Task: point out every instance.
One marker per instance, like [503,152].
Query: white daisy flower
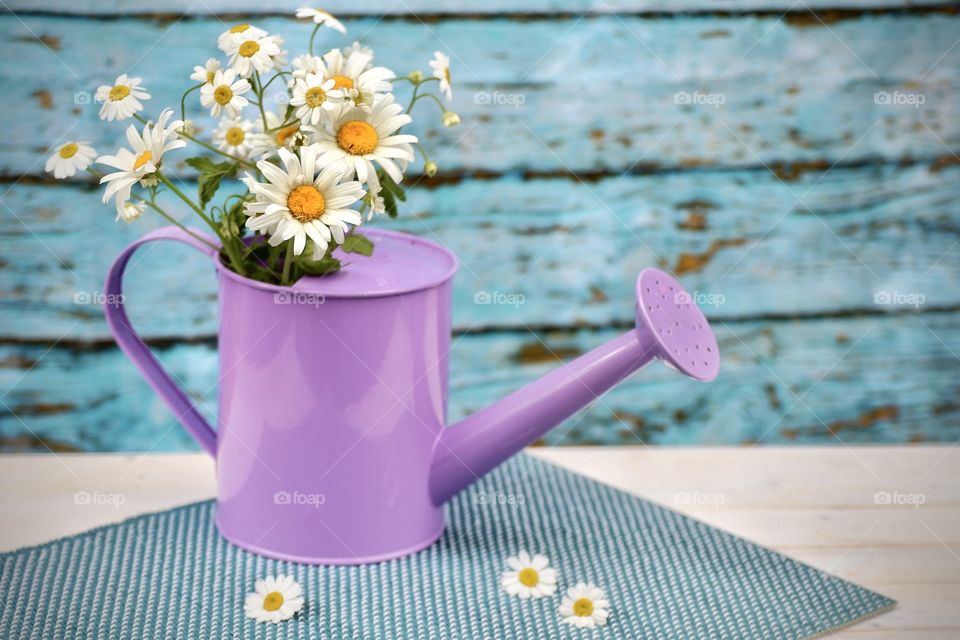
[356,139]
[585,605]
[235,137]
[255,54]
[299,204]
[222,94]
[140,163]
[275,599]
[529,577]
[375,204]
[320,16]
[130,211]
[441,70]
[304,65]
[314,97]
[206,72]
[239,32]
[355,70]
[70,158]
[121,99]
[356,47]
[279,60]
[265,144]
[359,97]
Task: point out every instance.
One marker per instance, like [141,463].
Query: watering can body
[331,443]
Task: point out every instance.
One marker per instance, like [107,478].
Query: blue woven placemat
[170,575]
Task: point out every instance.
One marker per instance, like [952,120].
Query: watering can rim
[320,284]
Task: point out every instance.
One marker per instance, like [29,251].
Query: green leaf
[389,203]
[320,267]
[356,243]
[211,173]
[391,192]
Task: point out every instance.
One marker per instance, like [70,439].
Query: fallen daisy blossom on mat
[529,577]
[276,598]
[585,605]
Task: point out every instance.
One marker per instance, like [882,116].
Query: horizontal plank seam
[454,177]
[167,342]
[834,14]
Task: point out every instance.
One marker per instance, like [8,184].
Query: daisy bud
[128,211]
[416,77]
[451,119]
[430,168]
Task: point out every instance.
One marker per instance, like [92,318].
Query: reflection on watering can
[331,444]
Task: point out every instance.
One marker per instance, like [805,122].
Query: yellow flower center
[222,94]
[240,28]
[314,97]
[286,133]
[68,150]
[249,48]
[119,92]
[583,607]
[144,158]
[306,203]
[529,577]
[211,75]
[357,137]
[234,136]
[273,601]
[341,82]
[446,74]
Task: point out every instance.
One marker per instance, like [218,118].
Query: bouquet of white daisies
[331,154]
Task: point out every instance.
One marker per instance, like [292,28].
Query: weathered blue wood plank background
[792,208]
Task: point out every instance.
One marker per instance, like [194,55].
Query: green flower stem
[183,100]
[415,82]
[278,74]
[439,102]
[258,90]
[284,125]
[180,194]
[423,152]
[287,263]
[413,97]
[229,244]
[416,87]
[312,36]
[205,145]
[233,248]
[153,205]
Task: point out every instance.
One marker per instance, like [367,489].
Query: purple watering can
[332,445]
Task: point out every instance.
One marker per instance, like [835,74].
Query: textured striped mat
[170,575]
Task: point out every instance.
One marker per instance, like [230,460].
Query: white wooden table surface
[886,517]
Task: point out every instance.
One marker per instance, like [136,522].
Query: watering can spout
[669,326]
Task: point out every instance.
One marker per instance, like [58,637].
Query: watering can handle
[138,352]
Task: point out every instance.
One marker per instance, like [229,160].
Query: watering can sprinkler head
[669,326]
[671,323]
